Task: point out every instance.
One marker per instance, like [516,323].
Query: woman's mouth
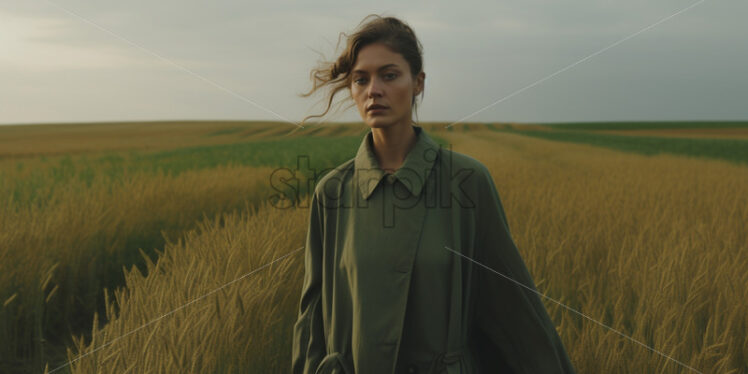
[376,107]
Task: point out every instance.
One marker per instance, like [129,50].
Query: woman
[402,241]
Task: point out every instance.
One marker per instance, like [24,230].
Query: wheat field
[71,222]
[648,255]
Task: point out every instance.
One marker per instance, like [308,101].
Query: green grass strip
[648,125]
[733,150]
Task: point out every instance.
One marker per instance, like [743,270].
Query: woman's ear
[420,82]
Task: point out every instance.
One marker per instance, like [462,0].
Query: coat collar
[412,173]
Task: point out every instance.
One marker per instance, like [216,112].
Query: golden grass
[240,327]
[69,220]
[654,247]
[56,258]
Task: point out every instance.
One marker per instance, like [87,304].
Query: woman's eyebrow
[359,71]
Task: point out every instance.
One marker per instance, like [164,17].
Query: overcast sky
[154,60]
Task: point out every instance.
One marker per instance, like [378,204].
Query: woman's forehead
[375,58]
[360,69]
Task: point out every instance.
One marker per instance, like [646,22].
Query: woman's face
[382,77]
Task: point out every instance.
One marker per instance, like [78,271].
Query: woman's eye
[388,76]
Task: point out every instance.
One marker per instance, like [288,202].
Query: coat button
[391,178]
[412,369]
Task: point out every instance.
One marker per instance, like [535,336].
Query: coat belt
[439,364]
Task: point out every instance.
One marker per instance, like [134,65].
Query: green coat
[389,284]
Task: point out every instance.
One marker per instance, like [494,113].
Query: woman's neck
[392,144]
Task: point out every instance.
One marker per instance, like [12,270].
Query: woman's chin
[380,122]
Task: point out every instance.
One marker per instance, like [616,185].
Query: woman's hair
[390,31]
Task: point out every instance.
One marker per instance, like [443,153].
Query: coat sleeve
[513,330]
[308,332]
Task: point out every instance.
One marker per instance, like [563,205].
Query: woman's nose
[375,87]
